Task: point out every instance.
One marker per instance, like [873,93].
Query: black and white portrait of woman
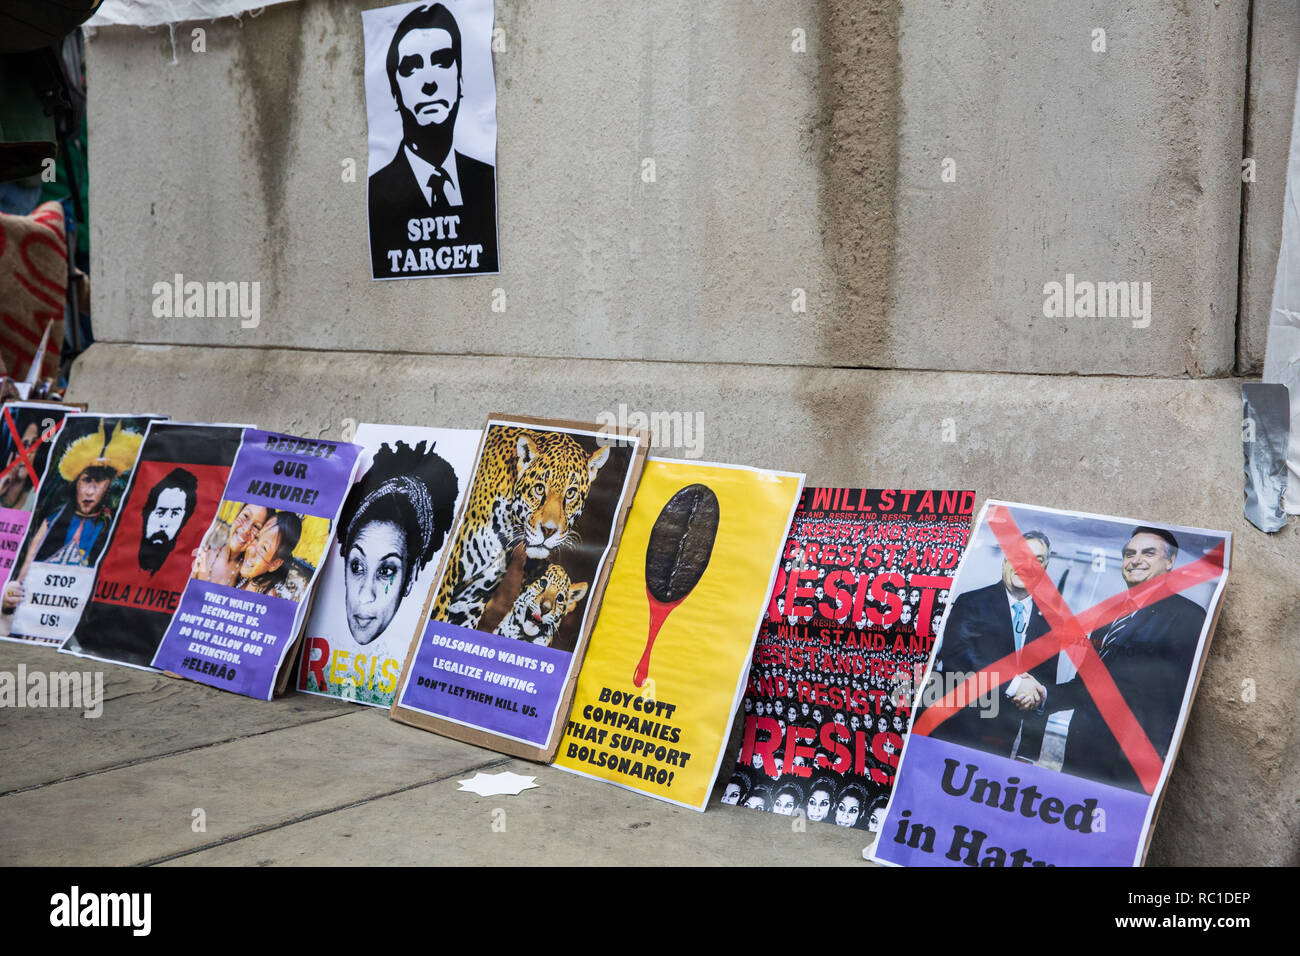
[394,521]
[386,549]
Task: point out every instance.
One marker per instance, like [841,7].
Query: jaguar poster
[507,625]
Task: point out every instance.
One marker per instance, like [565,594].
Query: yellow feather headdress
[89,451]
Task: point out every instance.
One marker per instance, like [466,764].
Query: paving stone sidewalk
[306,780]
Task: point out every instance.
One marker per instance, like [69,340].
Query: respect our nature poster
[240,614]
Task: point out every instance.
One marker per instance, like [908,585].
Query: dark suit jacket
[1150,660]
[395,198]
[978,631]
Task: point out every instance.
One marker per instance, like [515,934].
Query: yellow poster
[667,661]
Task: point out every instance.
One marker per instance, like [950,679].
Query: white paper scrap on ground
[496,784]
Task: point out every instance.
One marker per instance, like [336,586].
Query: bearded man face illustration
[169,506]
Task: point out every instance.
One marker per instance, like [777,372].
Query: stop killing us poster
[86,475]
[383,559]
[1056,698]
[173,497]
[241,610]
[864,577]
[664,675]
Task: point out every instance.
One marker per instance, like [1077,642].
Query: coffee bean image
[681,543]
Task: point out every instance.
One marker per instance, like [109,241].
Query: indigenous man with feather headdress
[75,533]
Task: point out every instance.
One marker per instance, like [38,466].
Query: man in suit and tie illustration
[1149,654]
[432,209]
[987,625]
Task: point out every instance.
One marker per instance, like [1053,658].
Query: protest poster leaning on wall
[241,612]
[383,559]
[1057,695]
[667,663]
[864,577]
[27,430]
[432,119]
[174,494]
[520,584]
[86,474]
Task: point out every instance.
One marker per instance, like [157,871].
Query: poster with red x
[27,431]
[1055,698]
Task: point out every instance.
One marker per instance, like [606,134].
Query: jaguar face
[542,606]
[554,478]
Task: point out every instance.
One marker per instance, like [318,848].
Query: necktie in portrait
[436,181]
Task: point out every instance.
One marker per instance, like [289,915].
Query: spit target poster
[507,625]
[1057,695]
[666,668]
[86,474]
[27,430]
[241,611]
[432,118]
[383,559]
[865,576]
[174,494]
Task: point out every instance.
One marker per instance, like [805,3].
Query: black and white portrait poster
[384,558]
[173,497]
[432,117]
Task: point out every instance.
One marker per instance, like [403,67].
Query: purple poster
[1048,721]
[239,615]
[506,627]
[963,807]
[484,680]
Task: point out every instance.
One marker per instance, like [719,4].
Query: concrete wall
[776,171]
[1112,166]
[1274,64]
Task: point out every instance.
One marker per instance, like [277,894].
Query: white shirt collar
[1012,601]
[424,169]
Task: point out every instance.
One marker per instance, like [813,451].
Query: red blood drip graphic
[677,554]
[659,611]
